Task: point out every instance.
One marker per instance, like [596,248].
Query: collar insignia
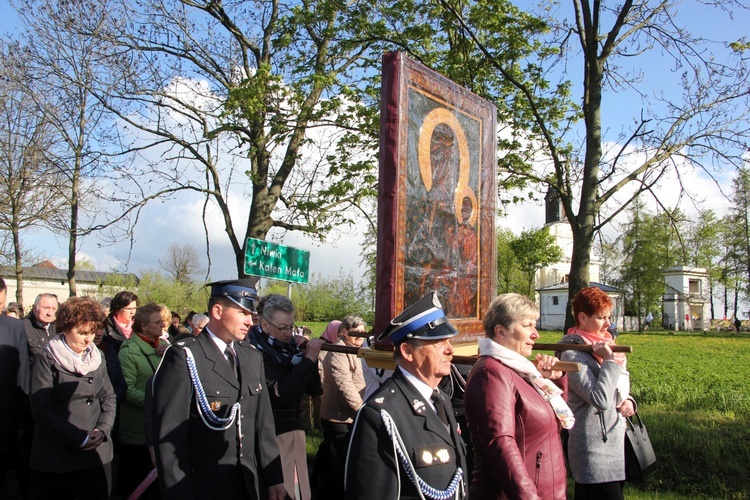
[379,400]
[418,406]
[427,457]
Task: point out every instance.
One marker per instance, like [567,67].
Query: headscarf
[331,333]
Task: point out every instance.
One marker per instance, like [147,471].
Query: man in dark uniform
[406,429]
[212,417]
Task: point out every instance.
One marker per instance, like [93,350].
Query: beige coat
[343,386]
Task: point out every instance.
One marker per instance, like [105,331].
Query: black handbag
[640,459]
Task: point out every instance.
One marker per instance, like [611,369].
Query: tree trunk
[19,266]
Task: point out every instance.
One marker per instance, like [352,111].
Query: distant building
[554,298]
[686,303]
[45,277]
[559,229]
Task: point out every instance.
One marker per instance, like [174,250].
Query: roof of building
[48,271]
[564,286]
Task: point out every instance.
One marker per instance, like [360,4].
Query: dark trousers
[134,465]
[599,491]
[336,438]
[89,484]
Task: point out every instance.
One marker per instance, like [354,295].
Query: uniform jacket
[193,460]
[139,362]
[516,436]
[372,470]
[37,335]
[14,382]
[592,396]
[66,406]
[343,386]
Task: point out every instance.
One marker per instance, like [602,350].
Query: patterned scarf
[81,364]
[526,369]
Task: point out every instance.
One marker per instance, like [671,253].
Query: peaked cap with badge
[241,292]
[424,320]
[398,417]
[199,403]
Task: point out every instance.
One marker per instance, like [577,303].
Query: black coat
[37,335]
[372,470]
[14,382]
[66,406]
[287,383]
[195,461]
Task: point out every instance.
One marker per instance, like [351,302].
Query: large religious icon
[436,200]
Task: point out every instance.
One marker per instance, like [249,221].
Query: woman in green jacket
[139,357]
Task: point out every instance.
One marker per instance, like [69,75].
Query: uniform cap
[240,291]
[423,320]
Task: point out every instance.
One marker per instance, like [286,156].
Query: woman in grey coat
[599,397]
[74,408]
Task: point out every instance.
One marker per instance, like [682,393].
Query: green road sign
[271,260]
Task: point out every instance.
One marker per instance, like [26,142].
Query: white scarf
[83,364]
[525,368]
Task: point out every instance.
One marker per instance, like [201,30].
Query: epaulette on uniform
[186,342]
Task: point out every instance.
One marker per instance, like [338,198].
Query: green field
[694,395]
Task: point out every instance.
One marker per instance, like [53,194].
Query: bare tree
[63,68]
[246,100]
[181,262]
[27,199]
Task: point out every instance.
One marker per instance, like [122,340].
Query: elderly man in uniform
[212,419]
[406,430]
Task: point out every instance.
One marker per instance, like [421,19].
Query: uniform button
[242,417]
[217,393]
[242,397]
[392,391]
[91,380]
[240,455]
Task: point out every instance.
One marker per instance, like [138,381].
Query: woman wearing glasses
[139,357]
[291,373]
[119,323]
[74,408]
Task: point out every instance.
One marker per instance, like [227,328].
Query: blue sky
[178,221]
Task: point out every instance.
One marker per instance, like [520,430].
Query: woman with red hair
[599,397]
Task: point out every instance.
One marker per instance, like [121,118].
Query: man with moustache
[213,428]
[406,429]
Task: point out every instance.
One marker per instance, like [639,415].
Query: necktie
[438,402]
[232,362]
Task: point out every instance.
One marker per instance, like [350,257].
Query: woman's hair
[143,315]
[350,322]
[505,310]
[590,300]
[166,314]
[14,307]
[77,311]
[121,301]
[271,303]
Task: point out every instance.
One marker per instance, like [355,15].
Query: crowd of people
[116,399]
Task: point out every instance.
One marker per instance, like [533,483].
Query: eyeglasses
[289,328]
[158,322]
